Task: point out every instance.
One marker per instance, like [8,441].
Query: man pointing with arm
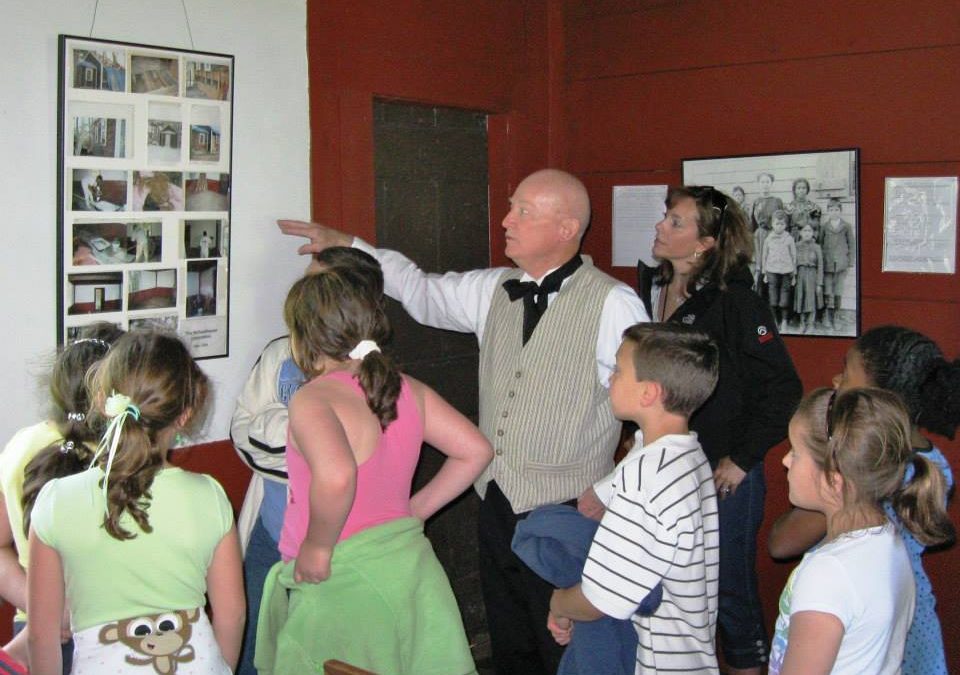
[548,333]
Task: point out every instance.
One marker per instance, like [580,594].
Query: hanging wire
[93,23]
[186,18]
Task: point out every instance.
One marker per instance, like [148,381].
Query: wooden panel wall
[489,55]
[650,83]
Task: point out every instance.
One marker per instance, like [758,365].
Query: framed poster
[804,212]
[144,155]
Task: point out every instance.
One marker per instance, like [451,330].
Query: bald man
[548,333]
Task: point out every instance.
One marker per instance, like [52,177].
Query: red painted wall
[650,83]
[489,55]
[619,91]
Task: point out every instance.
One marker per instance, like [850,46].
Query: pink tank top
[383,480]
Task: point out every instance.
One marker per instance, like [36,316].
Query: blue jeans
[261,555]
[743,636]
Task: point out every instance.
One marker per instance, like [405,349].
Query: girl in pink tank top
[354,440]
[382,481]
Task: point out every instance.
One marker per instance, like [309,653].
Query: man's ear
[569,229]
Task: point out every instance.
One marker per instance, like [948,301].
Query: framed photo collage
[144,190]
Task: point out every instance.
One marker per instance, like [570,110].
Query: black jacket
[758,388]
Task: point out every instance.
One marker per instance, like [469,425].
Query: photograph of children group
[429,423]
[803,212]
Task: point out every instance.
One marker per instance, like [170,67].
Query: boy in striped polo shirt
[659,531]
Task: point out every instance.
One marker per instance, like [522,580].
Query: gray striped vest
[541,404]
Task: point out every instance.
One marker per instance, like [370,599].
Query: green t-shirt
[108,579]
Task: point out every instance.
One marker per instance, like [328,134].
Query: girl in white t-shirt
[847,606]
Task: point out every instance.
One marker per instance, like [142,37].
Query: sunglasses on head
[711,197]
[833,398]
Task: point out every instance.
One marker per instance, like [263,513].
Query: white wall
[270,172]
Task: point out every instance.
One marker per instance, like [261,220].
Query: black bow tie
[535,295]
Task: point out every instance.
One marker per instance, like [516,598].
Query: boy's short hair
[682,360]
[835,201]
[359,266]
[779,214]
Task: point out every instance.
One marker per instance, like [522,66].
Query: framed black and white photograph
[804,211]
[145,152]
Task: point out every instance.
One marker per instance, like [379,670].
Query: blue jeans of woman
[740,625]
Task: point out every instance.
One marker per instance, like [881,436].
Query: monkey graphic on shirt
[160,640]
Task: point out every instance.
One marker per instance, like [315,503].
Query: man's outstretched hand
[320,236]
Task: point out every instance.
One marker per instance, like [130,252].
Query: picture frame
[820,297]
[144,190]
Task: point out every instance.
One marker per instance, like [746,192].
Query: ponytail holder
[118,408]
[76,416]
[67,447]
[120,405]
[363,348]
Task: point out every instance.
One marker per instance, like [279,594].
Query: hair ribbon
[118,408]
[363,348]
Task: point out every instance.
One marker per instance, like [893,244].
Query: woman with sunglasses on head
[704,247]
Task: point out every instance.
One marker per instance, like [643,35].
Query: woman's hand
[727,476]
[313,564]
[560,627]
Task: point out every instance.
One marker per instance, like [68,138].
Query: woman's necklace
[670,301]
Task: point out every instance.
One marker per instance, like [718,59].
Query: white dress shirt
[460,301]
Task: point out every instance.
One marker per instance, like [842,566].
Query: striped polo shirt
[661,527]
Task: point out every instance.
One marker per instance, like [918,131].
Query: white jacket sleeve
[259,425]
